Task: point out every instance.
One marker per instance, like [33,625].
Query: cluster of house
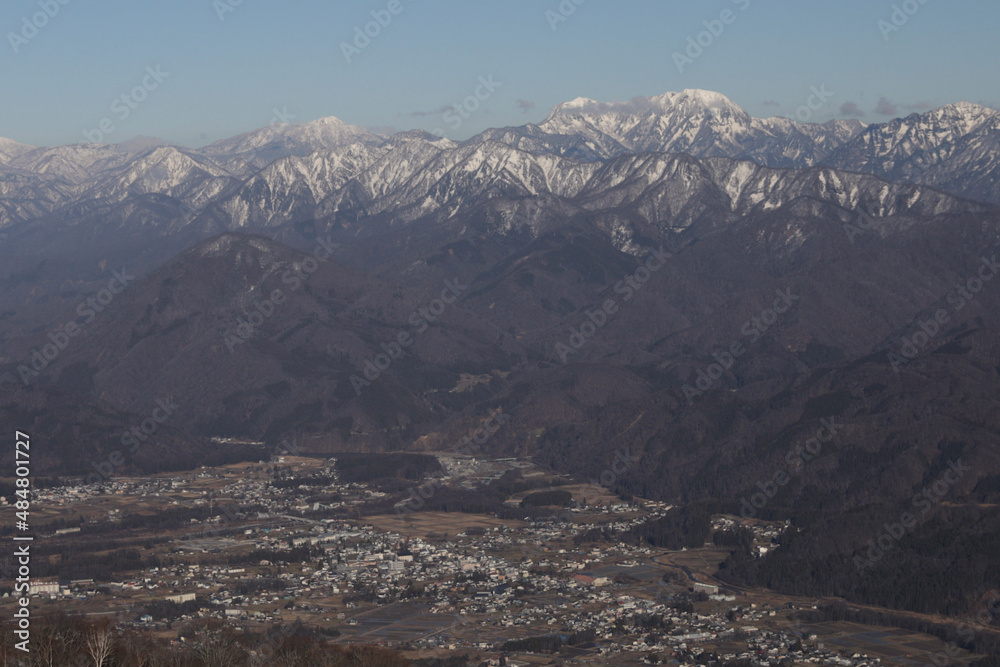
[764,534]
[467,577]
[514,580]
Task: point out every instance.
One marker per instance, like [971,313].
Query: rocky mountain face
[669,277]
[286,173]
[698,122]
[953,148]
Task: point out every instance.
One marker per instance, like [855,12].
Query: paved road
[686,570]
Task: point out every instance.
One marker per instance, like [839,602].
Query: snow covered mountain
[669,159]
[249,152]
[698,122]
[11,149]
[867,233]
[955,148]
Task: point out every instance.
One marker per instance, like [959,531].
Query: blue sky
[229,75]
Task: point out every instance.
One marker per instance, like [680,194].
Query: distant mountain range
[954,149]
[277,272]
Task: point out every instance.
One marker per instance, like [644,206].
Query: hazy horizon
[225,73]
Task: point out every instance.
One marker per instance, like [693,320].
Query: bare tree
[218,647]
[168,658]
[55,640]
[99,641]
[48,644]
[258,659]
[363,656]
[135,651]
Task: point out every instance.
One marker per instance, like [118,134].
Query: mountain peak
[577,105]
[969,110]
[971,106]
[280,140]
[703,98]
[11,149]
[327,122]
[965,117]
[690,100]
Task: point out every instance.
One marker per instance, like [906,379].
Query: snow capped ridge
[955,148]
[173,164]
[694,97]
[691,99]
[967,111]
[669,156]
[578,103]
[11,149]
[165,170]
[325,121]
[328,131]
[578,106]
[252,151]
[700,122]
[971,106]
[76,163]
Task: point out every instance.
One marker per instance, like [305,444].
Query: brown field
[890,644]
[893,645]
[422,524]
[592,494]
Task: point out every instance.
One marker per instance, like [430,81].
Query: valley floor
[260,545]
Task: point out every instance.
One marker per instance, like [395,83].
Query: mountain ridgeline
[668,278]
